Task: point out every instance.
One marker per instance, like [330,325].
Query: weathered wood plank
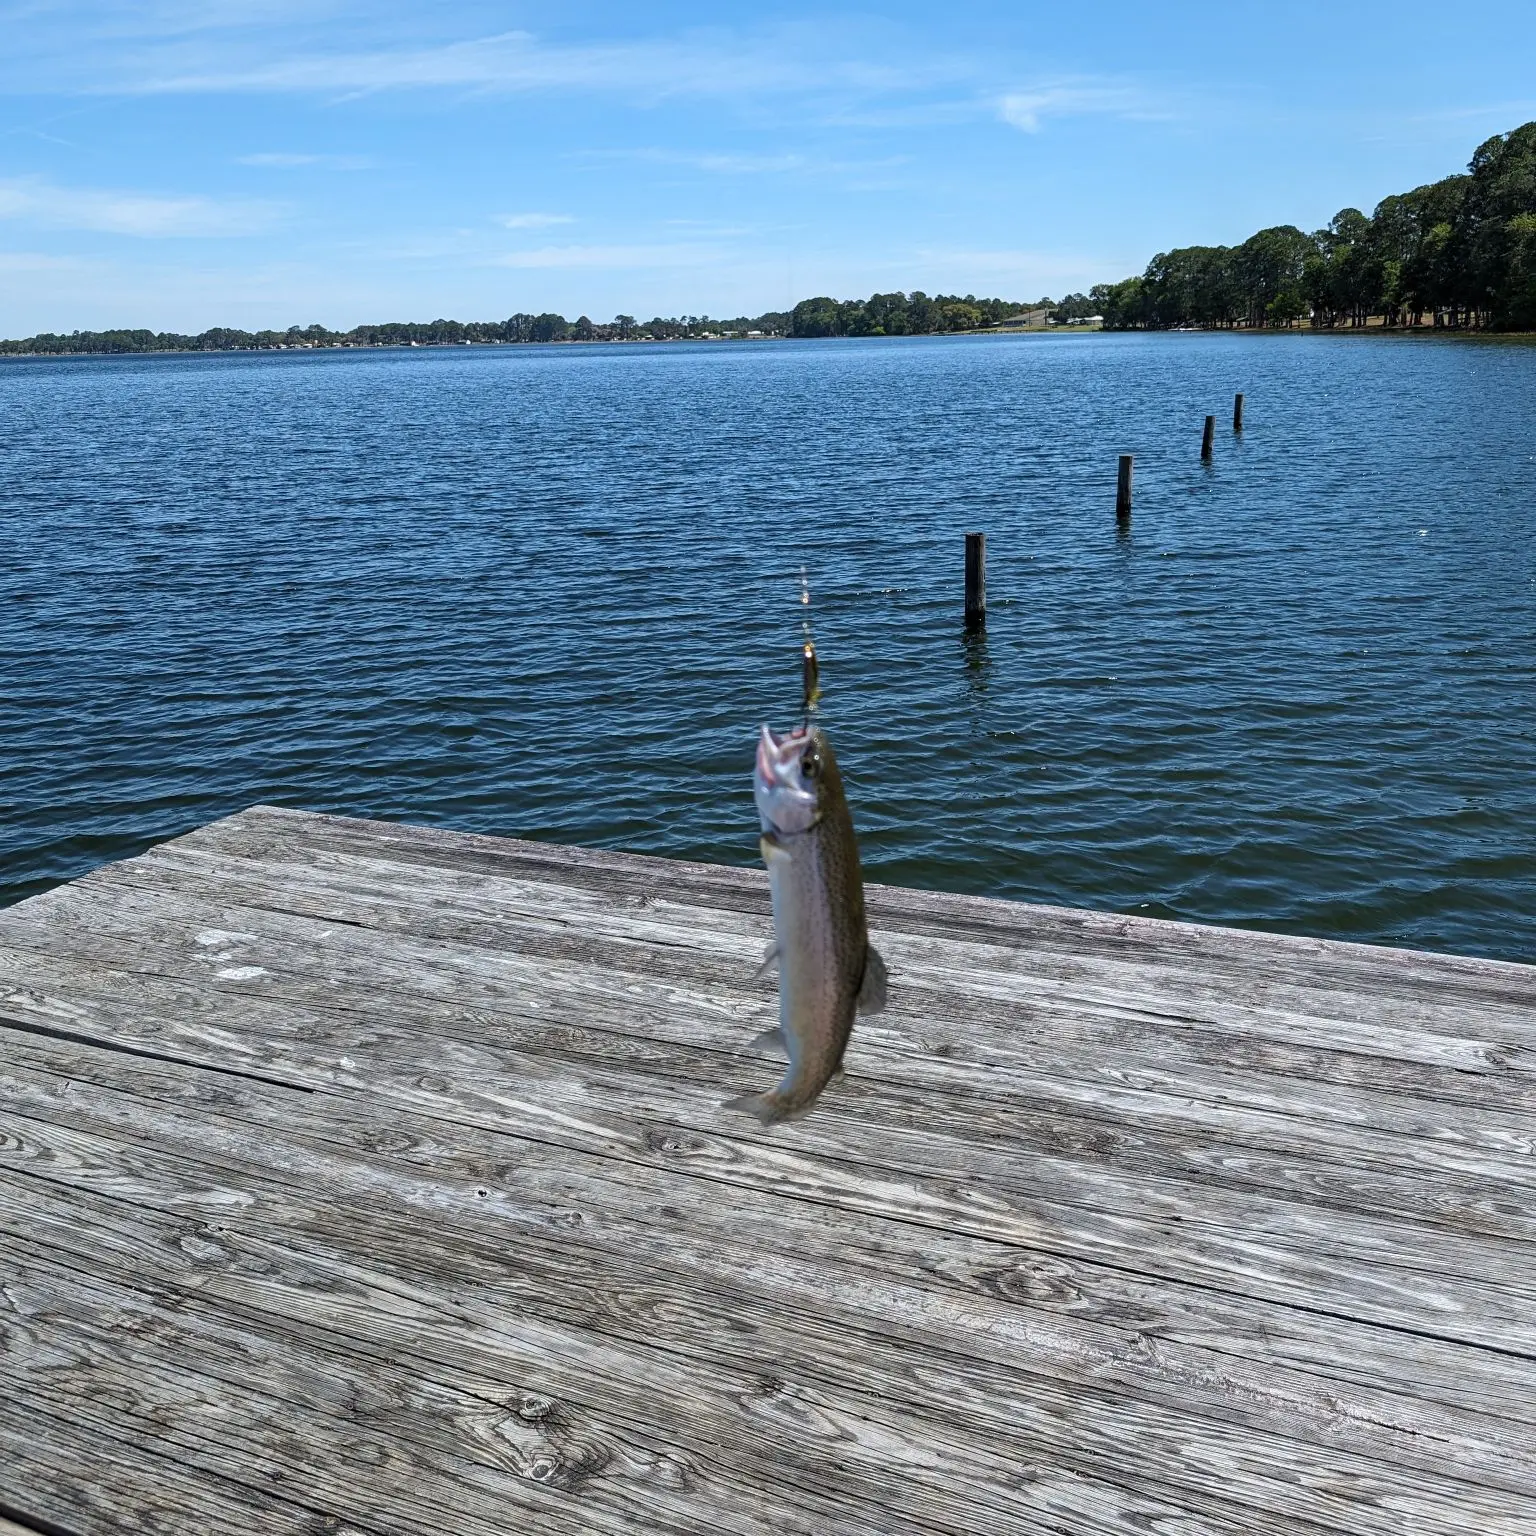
[476,1440]
[1115,1225]
[1084,1407]
[676,941]
[1267,1359]
[85,1481]
[965,1409]
[765,1411]
[1380,972]
[1092,1079]
[686,998]
[667,914]
[306,1416]
[715,1016]
[980,1098]
[961,1027]
[1400,1272]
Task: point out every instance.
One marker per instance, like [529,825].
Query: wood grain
[370,1179]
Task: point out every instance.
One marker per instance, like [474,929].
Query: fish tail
[769,1108]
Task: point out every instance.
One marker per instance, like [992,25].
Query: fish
[828,969]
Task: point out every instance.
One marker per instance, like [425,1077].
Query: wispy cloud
[742,165]
[610,256]
[723,164]
[141,214]
[1504,111]
[1078,97]
[715,62]
[41,261]
[278,160]
[533,220]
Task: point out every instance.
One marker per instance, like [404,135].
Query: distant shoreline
[377,346]
[1442,333]
[381,346]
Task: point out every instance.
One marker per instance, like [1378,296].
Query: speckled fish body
[828,971]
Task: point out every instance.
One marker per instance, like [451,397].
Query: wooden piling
[1208,442]
[1123,489]
[975,581]
[1237,414]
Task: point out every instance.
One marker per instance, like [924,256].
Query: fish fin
[871,997]
[764,1107]
[772,850]
[770,959]
[770,1043]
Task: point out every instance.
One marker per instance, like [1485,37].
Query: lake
[552,591]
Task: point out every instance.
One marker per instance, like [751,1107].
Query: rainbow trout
[828,970]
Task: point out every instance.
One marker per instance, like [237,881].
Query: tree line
[900,314]
[1459,253]
[516,329]
[883,314]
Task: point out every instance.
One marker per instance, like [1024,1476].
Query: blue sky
[269,162]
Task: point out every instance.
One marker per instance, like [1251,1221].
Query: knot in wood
[379,1140]
[534,1409]
[543,1468]
[663,1139]
[1030,1283]
[201,1246]
[673,1471]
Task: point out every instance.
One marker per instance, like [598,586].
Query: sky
[286,162]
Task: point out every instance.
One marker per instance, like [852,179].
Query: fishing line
[810,670]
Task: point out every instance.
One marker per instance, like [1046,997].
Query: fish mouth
[778,757]
[786,799]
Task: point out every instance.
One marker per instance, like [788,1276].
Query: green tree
[1491,240]
[960,316]
[923,316]
[817,317]
[1271,272]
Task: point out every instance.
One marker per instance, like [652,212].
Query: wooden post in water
[1237,414]
[1208,442]
[1123,489]
[975,581]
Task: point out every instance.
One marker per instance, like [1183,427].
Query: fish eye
[809,764]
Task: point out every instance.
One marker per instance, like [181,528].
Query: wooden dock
[364,1179]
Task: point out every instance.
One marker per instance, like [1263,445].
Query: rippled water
[550,591]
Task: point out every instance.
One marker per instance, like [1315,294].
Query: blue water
[552,591]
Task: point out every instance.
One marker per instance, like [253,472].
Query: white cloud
[1074,98]
[131,213]
[722,164]
[715,62]
[1504,111]
[533,220]
[743,165]
[282,161]
[609,256]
